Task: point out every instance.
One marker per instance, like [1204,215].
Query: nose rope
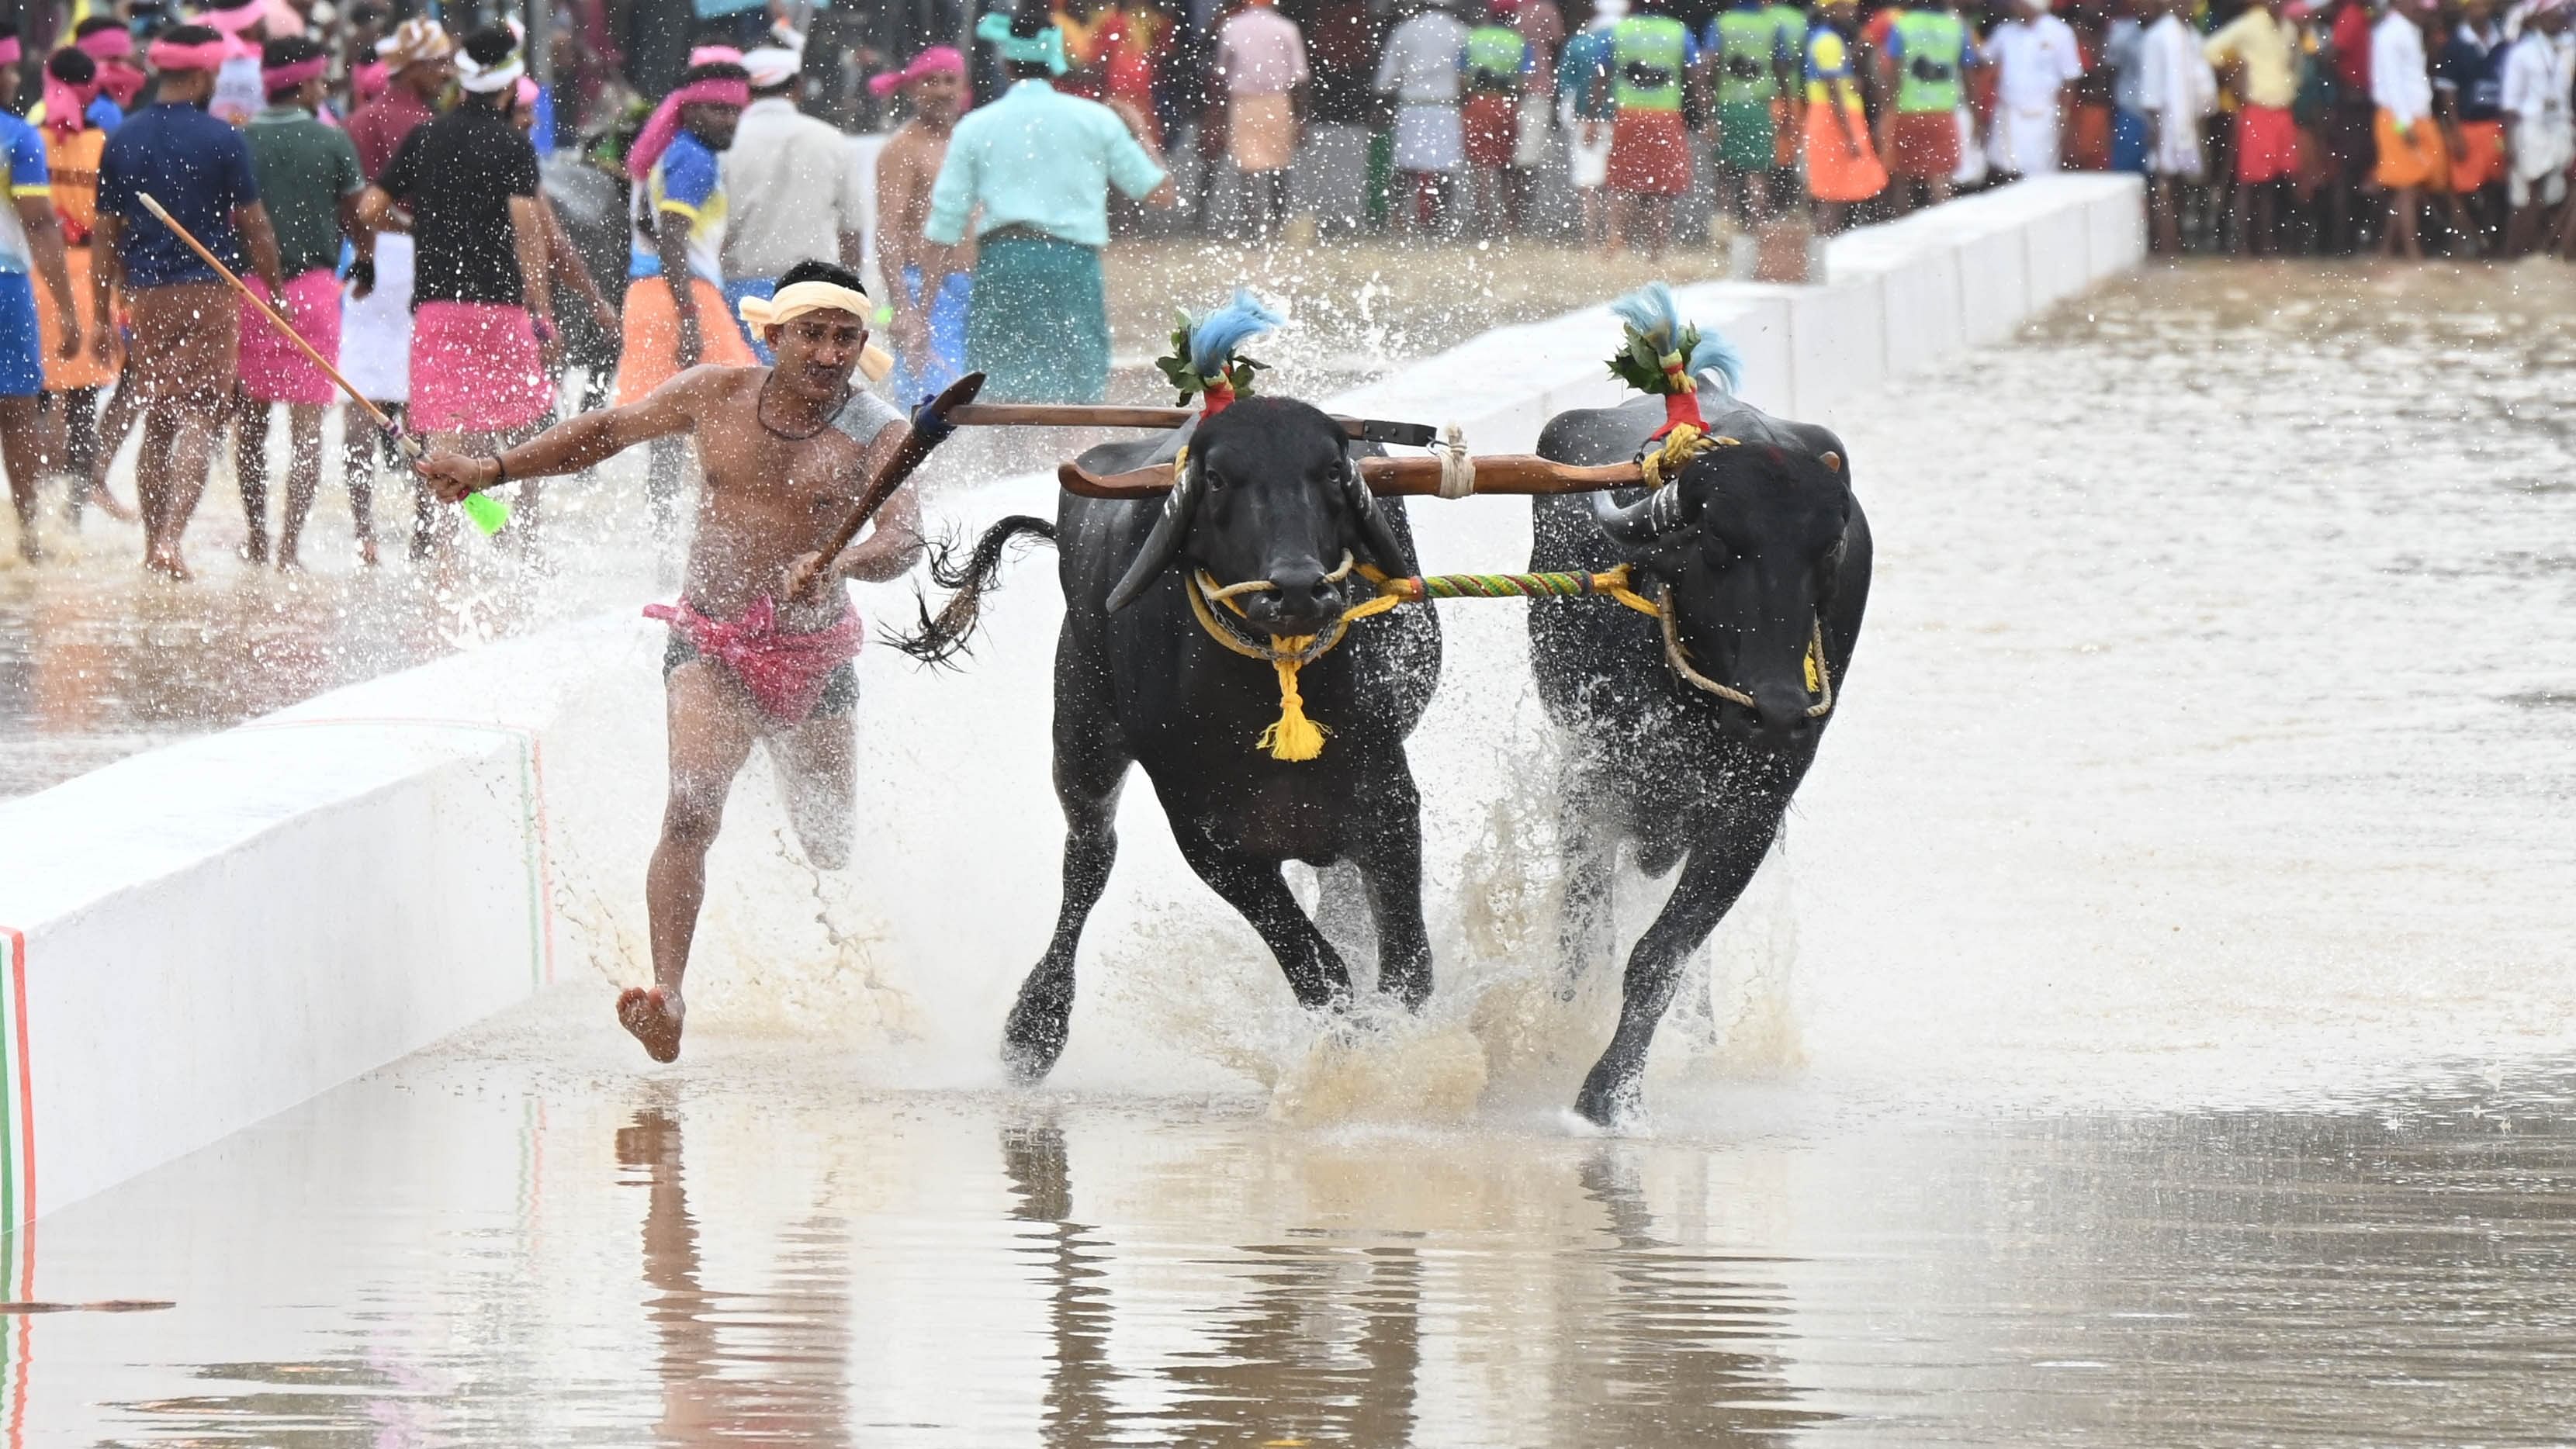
[1256,586]
[1291,737]
[1820,674]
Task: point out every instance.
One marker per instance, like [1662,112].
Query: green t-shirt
[303,168]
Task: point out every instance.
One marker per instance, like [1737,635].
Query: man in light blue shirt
[1033,170]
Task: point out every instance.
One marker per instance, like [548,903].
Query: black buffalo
[1758,544]
[1271,491]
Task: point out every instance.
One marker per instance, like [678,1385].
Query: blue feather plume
[1214,337]
[1716,354]
[1652,311]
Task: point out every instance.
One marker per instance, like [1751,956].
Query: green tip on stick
[488,514]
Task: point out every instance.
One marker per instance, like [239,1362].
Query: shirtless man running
[932,283]
[763,635]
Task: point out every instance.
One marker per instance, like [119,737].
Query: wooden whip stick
[900,467]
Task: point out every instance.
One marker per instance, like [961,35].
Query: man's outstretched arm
[571,446]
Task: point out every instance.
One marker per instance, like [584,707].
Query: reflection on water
[766,1247]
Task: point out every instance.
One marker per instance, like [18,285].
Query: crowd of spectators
[317,150]
[2295,126]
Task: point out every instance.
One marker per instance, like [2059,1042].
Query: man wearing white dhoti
[2035,58]
[2177,89]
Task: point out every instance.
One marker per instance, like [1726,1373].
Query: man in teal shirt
[1034,170]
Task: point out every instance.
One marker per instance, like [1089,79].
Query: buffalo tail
[940,639]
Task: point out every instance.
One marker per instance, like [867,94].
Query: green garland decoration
[1184,378]
[1641,366]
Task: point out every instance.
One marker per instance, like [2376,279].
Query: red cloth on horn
[784,672]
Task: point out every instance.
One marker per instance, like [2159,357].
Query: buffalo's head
[1270,492]
[1749,542]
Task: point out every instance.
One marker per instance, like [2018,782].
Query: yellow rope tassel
[1292,736]
[1682,444]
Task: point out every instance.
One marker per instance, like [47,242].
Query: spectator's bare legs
[1659,225]
[123,410]
[2400,239]
[1623,216]
[304,479]
[250,473]
[22,452]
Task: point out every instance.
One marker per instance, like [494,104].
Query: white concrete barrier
[209,933]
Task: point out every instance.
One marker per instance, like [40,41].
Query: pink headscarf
[294,75]
[714,55]
[368,81]
[117,73]
[663,127]
[937,60]
[211,55]
[67,105]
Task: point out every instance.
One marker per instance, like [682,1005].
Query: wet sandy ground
[2164,1034]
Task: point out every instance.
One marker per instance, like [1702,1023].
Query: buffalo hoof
[1409,989]
[1608,1101]
[1031,1041]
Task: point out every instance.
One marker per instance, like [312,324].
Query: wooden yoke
[1520,474]
[1080,415]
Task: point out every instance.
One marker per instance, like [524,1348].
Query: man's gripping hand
[797,580]
[451,476]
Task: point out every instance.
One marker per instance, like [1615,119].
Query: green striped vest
[1646,56]
[1928,76]
[1747,45]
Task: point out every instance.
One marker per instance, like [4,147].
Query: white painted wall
[215,931]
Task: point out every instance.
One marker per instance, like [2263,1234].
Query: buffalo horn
[1641,523]
[1376,538]
[1164,543]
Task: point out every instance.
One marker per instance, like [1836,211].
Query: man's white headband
[484,81]
[797,299]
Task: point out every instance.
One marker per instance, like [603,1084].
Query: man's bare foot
[28,548]
[254,549]
[367,551]
[654,1019]
[287,563]
[107,503]
[168,565]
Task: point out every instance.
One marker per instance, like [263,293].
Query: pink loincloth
[784,672]
[476,368]
[272,370]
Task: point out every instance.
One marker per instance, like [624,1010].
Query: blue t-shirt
[198,168]
[22,152]
[685,189]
